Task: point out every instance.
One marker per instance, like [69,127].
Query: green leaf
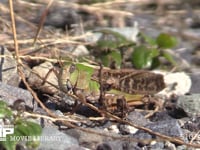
[155,63]
[148,39]
[3,104]
[82,76]
[118,36]
[9,144]
[27,128]
[112,57]
[112,40]
[142,57]
[34,128]
[33,144]
[21,128]
[106,44]
[166,41]
[168,57]
[5,111]
[30,129]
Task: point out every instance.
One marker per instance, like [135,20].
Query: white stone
[80,51]
[178,83]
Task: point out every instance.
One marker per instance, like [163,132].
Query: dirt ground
[51,30]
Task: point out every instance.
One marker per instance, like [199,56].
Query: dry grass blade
[14,31]
[66,122]
[92,9]
[195,137]
[137,2]
[44,14]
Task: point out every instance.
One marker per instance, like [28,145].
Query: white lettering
[35,138]
[5,130]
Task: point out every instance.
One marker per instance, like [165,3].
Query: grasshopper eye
[72,68]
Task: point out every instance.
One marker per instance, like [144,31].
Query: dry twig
[67,122]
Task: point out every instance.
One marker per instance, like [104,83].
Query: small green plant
[110,48]
[147,55]
[22,129]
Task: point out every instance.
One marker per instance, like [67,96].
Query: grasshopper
[94,80]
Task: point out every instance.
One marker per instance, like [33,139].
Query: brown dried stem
[68,123]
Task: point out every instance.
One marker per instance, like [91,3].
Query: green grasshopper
[94,80]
